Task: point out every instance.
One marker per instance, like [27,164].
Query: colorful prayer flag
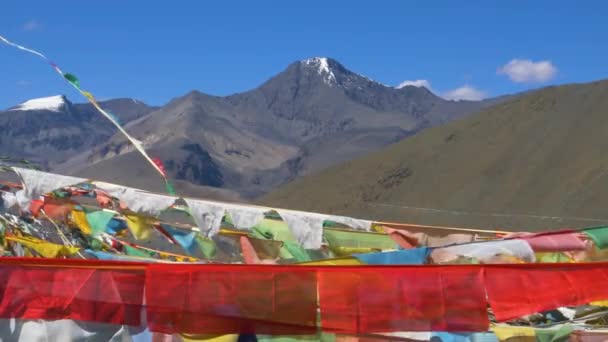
[98,221]
[139,226]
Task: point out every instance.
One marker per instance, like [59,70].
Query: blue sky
[154,52]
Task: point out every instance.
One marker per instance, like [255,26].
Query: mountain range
[314,114]
[535,161]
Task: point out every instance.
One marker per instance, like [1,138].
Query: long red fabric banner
[269,299]
[217,299]
[385,299]
[108,296]
[517,291]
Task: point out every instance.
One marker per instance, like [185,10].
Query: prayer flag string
[73,80]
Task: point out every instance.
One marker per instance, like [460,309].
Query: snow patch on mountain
[323,69]
[51,103]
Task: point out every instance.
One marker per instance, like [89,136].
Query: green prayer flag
[348,239]
[170,188]
[296,251]
[132,251]
[207,246]
[552,257]
[599,235]
[554,335]
[94,243]
[72,79]
[274,230]
[98,221]
[271,229]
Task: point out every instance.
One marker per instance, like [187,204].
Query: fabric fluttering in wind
[140,227]
[37,183]
[599,235]
[207,216]
[402,237]
[44,248]
[407,239]
[439,241]
[505,333]
[517,291]
[138,201]
[98,221]
[79,218]
[353,223]
[249,253]
[115,226]
[8,200]
[559,241]
[137,252]
[485,250]
[307,228]
[343,242]
[412,256]
[54,208]
[402,299]
[256,299]
[25,330]
[81,293]
[186,239]
[245,217]
[76,83]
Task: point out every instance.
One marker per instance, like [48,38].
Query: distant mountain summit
[52,103]
[50,130]
[312,115]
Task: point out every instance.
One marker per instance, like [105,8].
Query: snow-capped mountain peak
[323,68]
[51,103]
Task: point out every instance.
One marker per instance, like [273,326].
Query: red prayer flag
[160,165]
[368,299]
[518,290]
[35,206]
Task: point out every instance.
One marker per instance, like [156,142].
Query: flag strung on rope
[73,80]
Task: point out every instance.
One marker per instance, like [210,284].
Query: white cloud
[465,93]
[23,83]
[31,25]
[416,83]
[528,71]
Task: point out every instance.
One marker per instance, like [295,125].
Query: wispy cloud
[465,92]
[415,83]
[528,71]
[31,25]
[23,83]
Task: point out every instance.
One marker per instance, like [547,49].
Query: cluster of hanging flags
[93,261]
[100,259]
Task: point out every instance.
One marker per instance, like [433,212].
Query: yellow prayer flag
[505,332]
[89,96]
[79,218]
[210,338]
[139,226]
[600,303]
[44,248]
[334,262]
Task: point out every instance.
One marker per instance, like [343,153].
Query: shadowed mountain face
[51,130]
[539,154]
[314,114]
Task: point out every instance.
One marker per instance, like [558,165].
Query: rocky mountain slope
[314,114]
[52,129]
[536,161]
